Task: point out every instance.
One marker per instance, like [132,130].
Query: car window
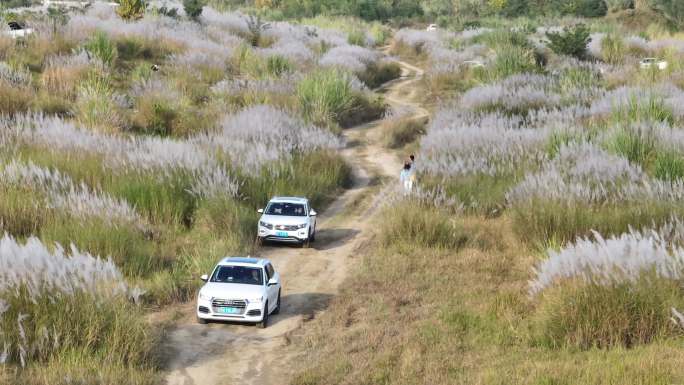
[268,274]
[286,209]
[238,274]
[271,271]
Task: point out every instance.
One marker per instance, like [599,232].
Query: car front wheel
[264,320]
[201,321]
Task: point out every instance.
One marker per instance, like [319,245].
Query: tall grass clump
[330,96]
[585,188]
[101,47]
[55,303]
[97,104]
[402,131]
[410,223]
[607,292]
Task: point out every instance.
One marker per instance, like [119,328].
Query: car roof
[244,261]
[290,199]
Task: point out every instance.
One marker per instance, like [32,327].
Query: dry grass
[400,132]
[14,99]
[425,315]
[63,80]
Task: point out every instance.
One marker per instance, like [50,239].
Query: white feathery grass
[63,194]
[618,259]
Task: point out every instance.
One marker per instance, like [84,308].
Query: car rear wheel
[264,320]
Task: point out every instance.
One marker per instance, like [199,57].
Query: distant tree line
[671,10]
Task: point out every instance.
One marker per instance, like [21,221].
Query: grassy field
[544,245]
[558,258]
[134,154]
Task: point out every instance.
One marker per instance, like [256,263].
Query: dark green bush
[572,41]
[193,8]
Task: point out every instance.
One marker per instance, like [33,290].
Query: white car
[240,289]
[17,30]
[287,219]
[473,64]
[431,27]
[651,62]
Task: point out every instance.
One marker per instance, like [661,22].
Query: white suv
[287,219]
[240,289]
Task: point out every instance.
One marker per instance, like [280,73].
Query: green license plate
[281,233]
[229,310]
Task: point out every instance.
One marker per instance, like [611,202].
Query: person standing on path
[406,178]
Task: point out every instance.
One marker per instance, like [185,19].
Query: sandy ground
[224,353]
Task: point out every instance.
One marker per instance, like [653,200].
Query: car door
[312,220]
[271,291]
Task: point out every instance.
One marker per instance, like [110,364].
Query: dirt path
[223,354]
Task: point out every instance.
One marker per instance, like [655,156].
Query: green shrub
[501,38]
[102,48]
[544,222]
[326,95]
[380,33]
[126,245]
[410,223]
[511,60]
[95,105]
[161,201]
[619,5]
[668,165]
[156,115]
[193,8]
[19,213]
[377,74]
[116,330]
[572,41]
[479,193]
[672,10]
[619,315]
[318,175]
[131,9]
[14,99]
[277,65]
[613,49]
[398,133]
[357,37]
[638,110]
[638,146]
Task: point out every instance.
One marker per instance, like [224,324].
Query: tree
[572,41]
[619,5]
[193,8]
[131,9]
[672,10]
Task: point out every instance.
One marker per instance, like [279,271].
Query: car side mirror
[313,213]
[204,277]
[260,211]
[272,282]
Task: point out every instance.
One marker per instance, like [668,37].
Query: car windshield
[238,274]
[286,209]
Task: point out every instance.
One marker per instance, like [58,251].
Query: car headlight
[204,297]
[303,225]
[255,300]
[266,225]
